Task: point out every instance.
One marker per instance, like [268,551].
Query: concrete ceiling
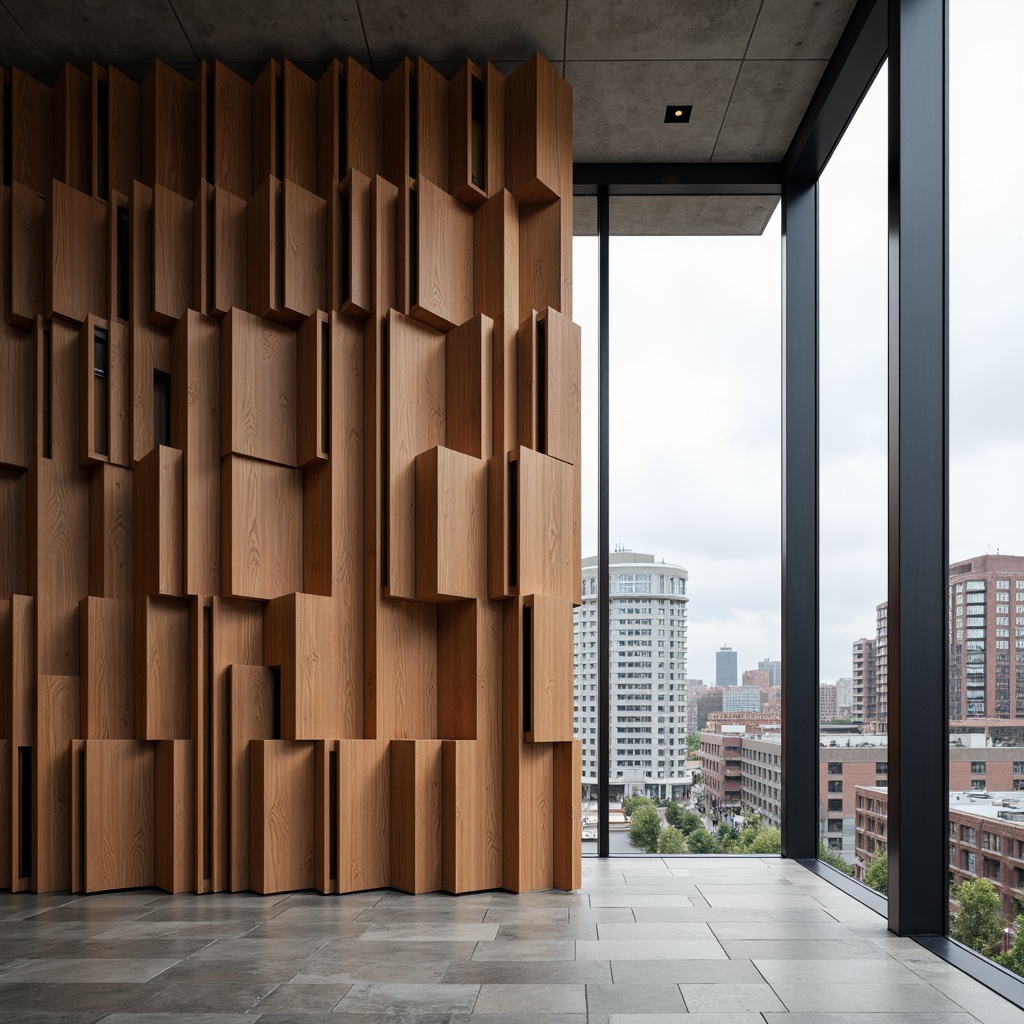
[748,67]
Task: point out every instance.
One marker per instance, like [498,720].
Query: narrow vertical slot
[24,812]
[81,820]
[478,133]
[414,129]
[540,385]
[275,702]
[47,396]
[346,245]
[385,461]
[279,247]
[102,138]
[8,133]
[161,408]
[332,814]
[513,524]
[101,391]
[210,133]
[122,262]
[414,249]
[208,740]
[211,259]
[325,387]
[342,126]
[279,127]
[527,668]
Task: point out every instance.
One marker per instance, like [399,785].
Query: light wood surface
[469,376]
[232,132]
[111,529]
[173,287]
[568,822]
[161,669]
[416,815]
[159,516]
[107,681]
[545,544]
[364,814]
[550,670]
[174,816]
[471,826]
[28,255]
[313,401]
[169,140]
[77,260]
[443,287]
[230,251]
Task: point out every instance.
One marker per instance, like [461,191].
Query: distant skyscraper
[757,677]
[725,667]
[774,670]
[827,702]
[844,696]
[865,681]
[741,698]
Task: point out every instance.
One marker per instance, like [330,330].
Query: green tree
[1013,958]
[671,841]
[833,860]
[767,840]
[645,828]
[700,840]
[684,820]
[978,922]
[692,743]
[877,873]
[631,803]
[728,838]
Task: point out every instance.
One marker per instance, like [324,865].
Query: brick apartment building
[721,757]
[827,702]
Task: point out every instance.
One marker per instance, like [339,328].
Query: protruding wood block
[477,133]
[325,817]
[261,522]
[230,252]
[469,376]
[31,134]
[441,271]
[56,725]
[350,220]
[547,669]
[299,636]
[350,117]
[451,526]
[399,115]
[119,814]
[5,801]
[28,255]
[72,136]
[15,368]
[432,116]
[258,389]
[250,717]
[494,128]
[111,517]
[542,241]
[13,532]
[414,422]
[265,240]
[539,118]
[568,821]
[304,251]
[124,148]
[471,819]
[17,618]
[468,670]
[161,669]
[173,269]
[107,682]
[159,514]
[169,153]
[314,391]
[300,127]
[232,134]
[281,815]
[174,828]
[364,815]
[195,429]
[77,257]
[416,815]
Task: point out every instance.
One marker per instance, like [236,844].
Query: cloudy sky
[695,373]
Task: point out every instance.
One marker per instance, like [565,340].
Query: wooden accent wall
[289,480]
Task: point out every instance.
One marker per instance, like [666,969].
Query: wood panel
[5,810]
[350,103]
[21,715]
[543,521]
[169,140]
[261,523]
[72,129]
[195,430]
[232,133]
[304,251]
[542,281]
[119,814]
[349,221]
[174,816]
[28,255]
[364,815]
[477,133]
[107,681]
[547,670]
[451,525]
[250,717]
[15,363]
[313,387]
[414,422]
[568,822]
[471,822]
[230,252]
[111,529]
[432,117]
[159,515]
[77,257]
[13,532]
[398,119]
[173,266]
[258,389]
[161,669]
[31,133]
[56,725]
[300,128]
[469,670]
[281,813]
[469,375]
[265,239]
[123,117]
[442,271]
[94,393]
[416,815]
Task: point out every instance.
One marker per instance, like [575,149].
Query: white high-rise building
[647,669]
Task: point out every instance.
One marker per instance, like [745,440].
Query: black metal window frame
[913,35]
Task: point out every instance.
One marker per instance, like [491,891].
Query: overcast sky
[695,373]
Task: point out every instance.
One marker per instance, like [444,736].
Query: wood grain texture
[232,132]
[265,124]
[539,117]
[414,423]
[258,389]
[360,124]
[169,139]
[469,671]
[159,516]
[15,362]
[21,645]
[545,545]
[28,255]
[398,115]
[120,388]
[313,394]
[300,128]
[119,814]
[495,137]
[56,725]
[542,240]
[261,524]
[94,397]
[349,272]
[451,526]
[124,144]
[77,256]
[174,816]
[496,294]
[432,116]
[304,250]
[364,815]
[325,842]
[107,681]
[498,548]
[31,133]
[111,529]
[465,183]
[416,815]
[13,532]
[72,116]
[195,430]
[281,813]
[470,818]
[161,669]
[443,285]
[250,717]
[173,269]
[550,670]
[265,240]
[230,248]
[568,822]
[5,807]
[469,384]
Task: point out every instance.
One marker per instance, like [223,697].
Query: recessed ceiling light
[678,113]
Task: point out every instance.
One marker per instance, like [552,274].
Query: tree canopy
[671,841]
[978,922]
[877,873]
[645,828]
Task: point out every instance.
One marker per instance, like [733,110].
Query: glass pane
[695,464]
[986,444]
[853,461]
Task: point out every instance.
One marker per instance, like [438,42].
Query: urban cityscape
[695,765]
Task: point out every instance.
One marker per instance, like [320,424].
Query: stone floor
[646,941]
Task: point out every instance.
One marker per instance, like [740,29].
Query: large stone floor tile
[730,998]
[526,950]
[869,996]
[187,997]
[87,971]
[292,998]
[634,998]
[353,969]
[811,949]
[650,949]
[382,997]
[434,931]
[545,932]
[528,972]
[841,1017]
[516,999]
[697,972]
[689,1018]
[655,930]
